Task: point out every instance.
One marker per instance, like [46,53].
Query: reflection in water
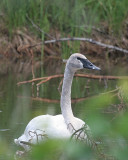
[73,100]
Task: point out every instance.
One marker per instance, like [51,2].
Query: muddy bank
[16,54]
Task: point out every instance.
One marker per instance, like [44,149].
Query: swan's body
[59,126]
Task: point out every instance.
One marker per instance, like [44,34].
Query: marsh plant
[68,16]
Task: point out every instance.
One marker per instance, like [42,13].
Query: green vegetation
[75,18]
[68,16]
[106,114]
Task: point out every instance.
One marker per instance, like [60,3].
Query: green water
[18,108]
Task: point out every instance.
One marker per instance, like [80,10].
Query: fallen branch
[79,39]
[100,77]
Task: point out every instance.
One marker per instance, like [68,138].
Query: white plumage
[60,126]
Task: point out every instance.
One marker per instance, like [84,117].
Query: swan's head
[78,61]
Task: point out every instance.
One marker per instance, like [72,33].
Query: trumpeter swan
[63,125]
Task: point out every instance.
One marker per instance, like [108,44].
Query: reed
[68,16]
[73,18]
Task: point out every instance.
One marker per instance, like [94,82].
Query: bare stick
[38,28]
[90,41]
[30,81]
[47,79]
[80,39]
[101,77]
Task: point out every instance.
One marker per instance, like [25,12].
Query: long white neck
[66,96]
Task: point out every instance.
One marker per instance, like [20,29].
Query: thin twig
[88,139]
[114,90]
[81,39]
[38,28]
[45,79]
[32,80]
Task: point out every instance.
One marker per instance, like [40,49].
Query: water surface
[17,107]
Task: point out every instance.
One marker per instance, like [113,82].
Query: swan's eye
[82,60]
[78,58]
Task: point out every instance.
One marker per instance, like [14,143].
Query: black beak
[88,64]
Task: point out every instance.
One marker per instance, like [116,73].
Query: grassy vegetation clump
[67,16]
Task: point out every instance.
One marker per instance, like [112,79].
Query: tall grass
[65,15]
[74,18]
